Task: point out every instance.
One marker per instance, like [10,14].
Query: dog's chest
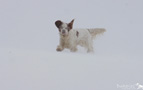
[66,42]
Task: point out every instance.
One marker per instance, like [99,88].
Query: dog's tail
[96,31]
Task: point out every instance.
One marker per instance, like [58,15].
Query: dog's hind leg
[90,46]
[90,49]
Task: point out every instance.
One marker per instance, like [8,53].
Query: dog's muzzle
[63,31]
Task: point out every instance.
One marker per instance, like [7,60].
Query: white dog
[70,38]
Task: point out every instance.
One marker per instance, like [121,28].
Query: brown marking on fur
[59,30]
[70,25]
[77,33]
[58,23]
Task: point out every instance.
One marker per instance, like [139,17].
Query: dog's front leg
[73,47]
[60,47]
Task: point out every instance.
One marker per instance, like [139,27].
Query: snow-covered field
[28,40]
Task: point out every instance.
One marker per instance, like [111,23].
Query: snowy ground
[30,70]
[38,70]
[28,40]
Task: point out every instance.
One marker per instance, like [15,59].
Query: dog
[70,38]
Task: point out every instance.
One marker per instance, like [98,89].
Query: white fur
[83,37]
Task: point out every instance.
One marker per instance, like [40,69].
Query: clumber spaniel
[70,38]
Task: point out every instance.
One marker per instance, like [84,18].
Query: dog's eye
[68,29]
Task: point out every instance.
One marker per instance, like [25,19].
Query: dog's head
[64,28]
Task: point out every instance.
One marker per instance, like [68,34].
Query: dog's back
[85,32]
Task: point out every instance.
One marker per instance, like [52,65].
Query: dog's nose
[63,31]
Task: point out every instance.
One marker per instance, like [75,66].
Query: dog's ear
[58,23]
[70,25]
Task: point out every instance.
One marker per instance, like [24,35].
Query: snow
[30,70]
[28,40]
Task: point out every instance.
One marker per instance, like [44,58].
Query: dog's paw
[73,49]
[59,48]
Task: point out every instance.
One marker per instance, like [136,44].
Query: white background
[29,37]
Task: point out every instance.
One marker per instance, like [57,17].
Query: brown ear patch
[58,23]
[70,25]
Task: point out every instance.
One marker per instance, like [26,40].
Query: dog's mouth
[63,34]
